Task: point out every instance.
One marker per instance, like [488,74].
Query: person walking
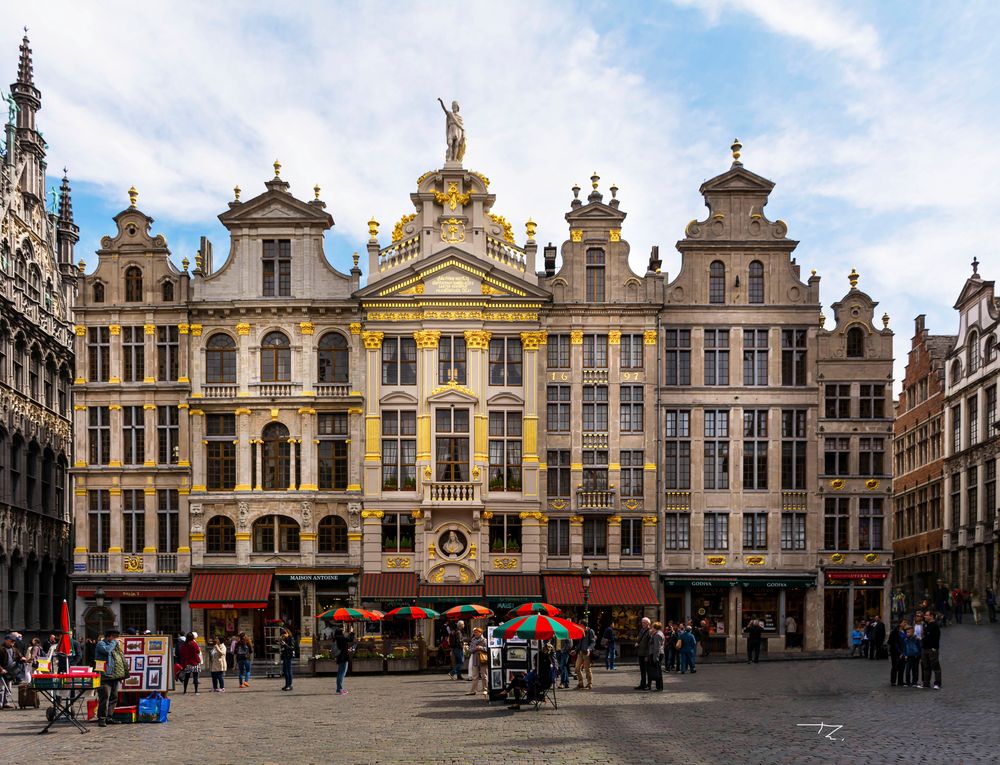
[755,635]
[109,651]
[655,670]
[791,632]
[343,645]
[991,605]
[565,646]
[610,647]
[688,646]
[897,658]
[958,604]
[584,657]
[669,642]
[911,649]
[876,642]
[975,602]
[33,654]
[217,665]
[642,651]
[191,661]
[286,647]
[704,635]
[243,656]
[479,651]
[930,652]
[455,640]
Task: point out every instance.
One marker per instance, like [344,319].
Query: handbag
[153,709]
[483,657]
[679,644]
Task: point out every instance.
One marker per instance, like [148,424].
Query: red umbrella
[526,609]
[471,611]
[350,615]
[65,644]
[535,627]
[412,612]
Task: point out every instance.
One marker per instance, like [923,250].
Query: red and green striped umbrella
[525,609]
[413,613]
[350,615]
[539,627]
[467,612]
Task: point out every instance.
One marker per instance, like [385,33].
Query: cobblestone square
[724,713]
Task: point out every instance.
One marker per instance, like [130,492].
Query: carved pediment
[505,399]
[453,275]
[453,393]
[398,398]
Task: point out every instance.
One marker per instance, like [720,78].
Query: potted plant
[405,544]
[402,659]
[389,544]
[323,664]
[367,660]
[513,546]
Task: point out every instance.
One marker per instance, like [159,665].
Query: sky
[876,121]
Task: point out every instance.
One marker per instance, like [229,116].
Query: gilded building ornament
[576,337]
[486,515]
[837,484]
[115,329]
[614,520]
[558,504]
[307,327]
[431,552]
[632,504]
[452,231]
[576,234]
[355,327]
[530,341]
[80,330]
[196,330]
[453,197]
[477,339]
[508,232]
[427,338]
[615,235]
[243,328]
[614,337]
[576,520]
[872,484]
[149,329]
[486,289]
[649,520]
[397,562]
[755,560]
[649,337]
[505,563]
[183,328]
[133,564]
[373,229]
[837,558]
[716,560]
[373,340]
[372,514]
[472,551]
[530,228]
[871,558]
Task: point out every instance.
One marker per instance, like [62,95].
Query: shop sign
[340,578]
[777,583]
[700,582]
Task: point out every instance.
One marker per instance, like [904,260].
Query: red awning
[855,573]
[144,592]
[398,585]
[564,590]
[451,592]
[622,591]
[218,590]
[524,587]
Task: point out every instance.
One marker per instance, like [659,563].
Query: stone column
[575,541]
[152,532]
[115,458]
[115,548]
[80,416]
[427,355]
[477,344]
[372,525]
[151,441]
[183,354]
[115,364]
[373,422]
[309,445]
[530,342]
[614,542]
[185,447]
[197,424]
[308,363]
[197,352]
[576,435]
[149,349]
[243,458]
[293,459]
[355,429]
[259,462]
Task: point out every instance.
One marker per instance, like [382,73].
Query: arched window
[168,291]
[333,535]
[21,270]
[956,371]
[220,535]
[220,359]
[133,284]
[98,292]
[35,283]
[334,358]
[973,352]
[275,358]
[991,349]
[717,282]
[855,343]
[755,283]
[595,275]
[275,533]
[276,457]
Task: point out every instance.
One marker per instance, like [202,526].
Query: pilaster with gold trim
[196,420]
[373,422]
[428,341]
[530,343]
[244,471]
[477,345]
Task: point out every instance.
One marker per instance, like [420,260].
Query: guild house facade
[475,423]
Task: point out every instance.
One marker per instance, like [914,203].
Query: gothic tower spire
[28,142]
[26,95]
[67,232]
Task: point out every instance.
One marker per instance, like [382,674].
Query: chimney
[549,255]
[654,259]
[918,324]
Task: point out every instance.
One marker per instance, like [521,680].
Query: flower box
[367,665]
[409,664]
[324,666]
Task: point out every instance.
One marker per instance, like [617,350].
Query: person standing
[755,635]
[930,653]
[33,654]
[455,639]
[991,605]
[975,602]
[584,671]
[655,670]
[610,646]
[191,661]
[689,645]
[876,638]
[109,651]
[704,635]
[911,649]
[343,644]
[897,657]
[286,647]
[642,651]
[217,665]
[958,604]
[565,646]
[11,662]
[243,655]
[479,652]
[791,632]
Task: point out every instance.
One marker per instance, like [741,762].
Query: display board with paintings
[150,662]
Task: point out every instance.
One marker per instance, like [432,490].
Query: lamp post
[99,602]
[585,581]
[352,589]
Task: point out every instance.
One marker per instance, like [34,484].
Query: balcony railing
[97,563]
[439,491]
[335,390]
[220,391]
[166,563]
[600,499]
[597,375]
[275,389]
[595,440]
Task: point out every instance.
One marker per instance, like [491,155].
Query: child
[856,637]
[911,650]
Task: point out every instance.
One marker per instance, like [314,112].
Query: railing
[599,499]
[505,253]
[334,390]
[275,390]
[166,563]
[677,500]
[436,491]
[398,253]
[793,500]
[97,563]
[595,376]
[595,440]
[220,391]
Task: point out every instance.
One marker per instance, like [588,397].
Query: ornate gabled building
[37,286]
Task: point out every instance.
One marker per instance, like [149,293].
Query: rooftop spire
[25,71]
[65,201]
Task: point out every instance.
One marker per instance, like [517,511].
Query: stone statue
[12,109]
[244,515]
[452,546]
[455,131]
[307,515]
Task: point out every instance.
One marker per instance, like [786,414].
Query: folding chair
[6,697]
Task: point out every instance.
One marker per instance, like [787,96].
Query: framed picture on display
[133,681]
[138,663]
[496,678]
[133,645]
[154,661]
[155,645]
[154,675]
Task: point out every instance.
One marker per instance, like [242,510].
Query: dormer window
[98,292]
[168,292]
[717,282]
[855,343]
[973,352]
[277,265]
[595,275]
[133,284]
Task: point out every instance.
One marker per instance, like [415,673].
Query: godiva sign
[772,583]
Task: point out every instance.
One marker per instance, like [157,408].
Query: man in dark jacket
[931,645]
[897,659]
[642,652]
[755,634]
[877,638]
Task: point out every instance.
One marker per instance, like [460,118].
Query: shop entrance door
[835,605]
[673,607]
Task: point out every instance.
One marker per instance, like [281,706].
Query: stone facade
[37,288]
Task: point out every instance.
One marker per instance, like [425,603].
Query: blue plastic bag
[153,709]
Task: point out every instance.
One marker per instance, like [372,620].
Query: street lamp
[585,581]
[352,588]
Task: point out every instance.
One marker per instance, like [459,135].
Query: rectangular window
[755,531]
[399,361]
[677,449]
[167,352]
[836,515]
[595,470]
[167,520]
[871,402]
[793,356]
[972,495]
[397,532]
[956,429]
[755,356]
[452,442]
[631,479]
[871,456]
[837,455]
[595,275]
[558,400]
[98,356]
[133,354]
[595,537]
[677,531]
[793,531]
[558,351]
[99,435]
[505,451]
[506,367]
[220,452]
[793,449]
[277,265]
[991,411]
[990,489]
[399,450]
[677,349]
[837,401]
[754,449]
[505,533]
[558,537]
[452,360]
[716,531]
[557,474]
[133,521]
[595,351]
[632,351]
[331,453]
[716,465]
[631,537]
[972,412]
[133,435]
[716,357]
[595,408]
[168,435]
[870,519]
[99,519]
[631,409]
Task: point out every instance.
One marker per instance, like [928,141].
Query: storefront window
[168,618]
[711,605]
[762,605]
[222,623]
[134,616]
